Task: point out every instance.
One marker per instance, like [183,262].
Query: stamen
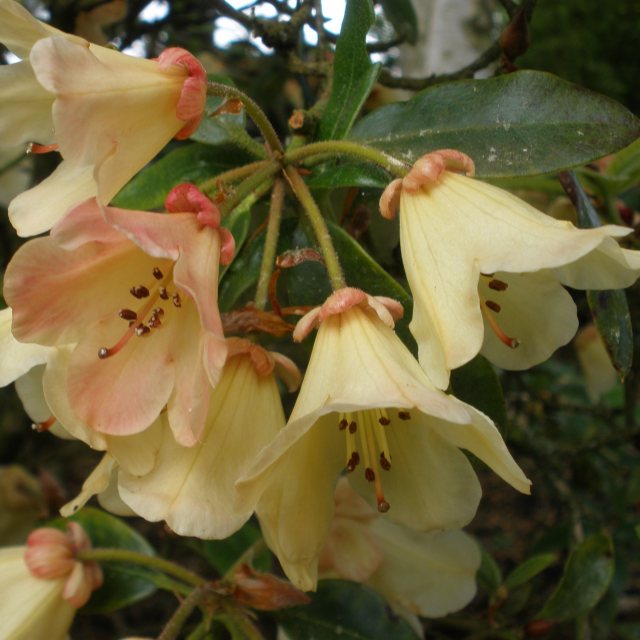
[370,474]
[512,343]
[142,330]
[139,291]
[157,274]
[176,300]
[498,285]
[128,314]
[36,148]
[404,415]
[353,462]
[342,425]
[494,306]
[41,427]
[353,427]
[384,463]
[383,506]
[162,292]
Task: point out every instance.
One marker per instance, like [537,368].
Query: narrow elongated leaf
[529,569]
[123,585]
[587,575]
[342,610]
[349,174]
[354,74]
[609,308]
[489,575]
[477,384]
[190,163]
[523,123]
[402,15]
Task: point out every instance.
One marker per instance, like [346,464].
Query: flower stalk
[211,184]
[143,560]
[394,166]
[253,111]
[173,628]
[270,244]
[332,262]
[249,186]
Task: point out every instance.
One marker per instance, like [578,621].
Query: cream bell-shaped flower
[487,270]
[192,489]
[137,296]
[43,584]
[420,574]
[367,406]
[107,113]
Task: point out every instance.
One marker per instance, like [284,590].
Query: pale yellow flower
[487,270]
[107,113]
[43,584]
[429,574]
[367,406]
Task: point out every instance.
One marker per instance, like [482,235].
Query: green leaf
[123,585]
[522,123]
[349,175]
[478,384]
[587,575]
[238,222]
[529,569]
[401,14]
[344,611]
[625,166]
[189,163]
[353,73]
[489,575]
[609,309]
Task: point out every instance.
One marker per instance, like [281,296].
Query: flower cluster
[114,334]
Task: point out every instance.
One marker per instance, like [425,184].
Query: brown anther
[342,425]
[353,427]
[384,463]
[154,322]
[142,330]
[369,474]
[404,415]
[494,306]
[384,421]
[497,285]
[139,291]
[383,506]
[103,353]
[158,311]
[162,292]
[177,302]
[128,314]
[354,461]
[157,274]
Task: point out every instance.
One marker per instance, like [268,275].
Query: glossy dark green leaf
[529,569]
[522,123]
[123,584]
[587,575]
[609,308]
[348,175]
[402,15]
[353,72]
[189,163]
[478,384]
[342,610]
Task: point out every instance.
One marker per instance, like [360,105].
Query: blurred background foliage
[563,563]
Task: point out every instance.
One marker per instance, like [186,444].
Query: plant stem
[394,166]
[232,175]
[247,186]
[253,111]
[332,262]
[173,628]
[126,556]
[270,244]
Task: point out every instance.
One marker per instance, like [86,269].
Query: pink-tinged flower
[487,270]
[137,295]
[367,406]
[43,584]
[419,574]
[108,113]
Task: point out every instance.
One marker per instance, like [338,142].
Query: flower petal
[536,310]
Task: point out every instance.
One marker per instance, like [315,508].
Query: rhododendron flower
[138,298]
[486,269]
[43,584]
[365,404]
[419,574]
[110,113]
